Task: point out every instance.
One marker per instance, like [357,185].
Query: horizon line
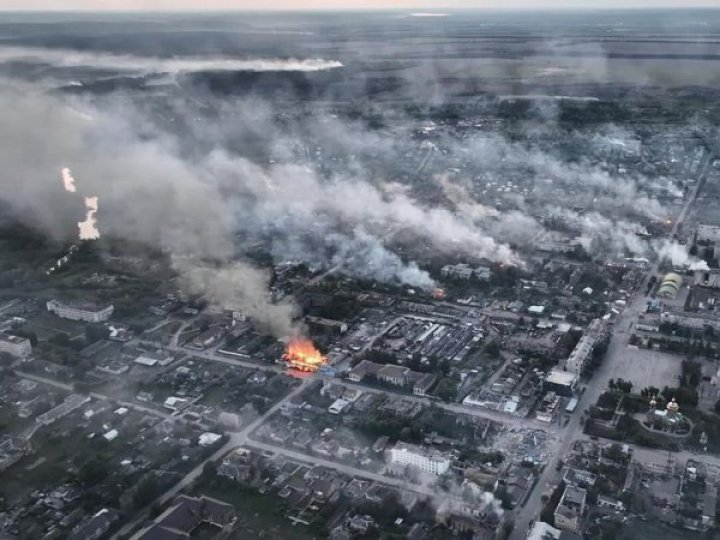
[436,10]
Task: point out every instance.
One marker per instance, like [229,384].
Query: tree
[624,386]
[92,472]
[548,512]
[95,332]
[146,491]
[446,389]
[61,339]
[209,470]
[492,349]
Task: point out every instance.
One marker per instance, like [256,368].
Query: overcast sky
[155,5]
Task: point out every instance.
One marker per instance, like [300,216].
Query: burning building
[302,355]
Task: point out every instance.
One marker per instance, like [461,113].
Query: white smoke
[678,256]
[69,58]
[463,201]
[302,198]
[363,255]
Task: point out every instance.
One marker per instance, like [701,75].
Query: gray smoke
[68,58]
[239,287]
[193,210]
[678,256]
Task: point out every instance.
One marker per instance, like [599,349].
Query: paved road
[499,417]
[236,439]
[345,469]
[612,368]
[456,408]
[69,388]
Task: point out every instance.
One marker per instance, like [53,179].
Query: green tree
[492,349]
[624,386]
[96,332]
[92,472]
[446,389]
[146,491]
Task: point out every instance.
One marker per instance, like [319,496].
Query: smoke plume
[67,58]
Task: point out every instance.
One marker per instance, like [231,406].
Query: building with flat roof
[416,457]
[582,352]
[16,346]
[80,311]
[708,234]
[329,327]
[707,278]
[561,382]
[569,511]
[695,320]
[543,531]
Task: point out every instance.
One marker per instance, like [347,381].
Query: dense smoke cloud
[192,193]
[67,58]
[678,255]
[194,210]
[239,287]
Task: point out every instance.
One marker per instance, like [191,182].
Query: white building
[465,271]
[579,356]
[338,406]
[416,457]
[542,531]
[80,311]
[16,346]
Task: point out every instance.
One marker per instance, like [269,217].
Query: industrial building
[416,457]
[670,285]
[696,321]
[16,346]
[80,311]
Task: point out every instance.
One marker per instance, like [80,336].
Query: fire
[68,180]
[88,228]
[302,355]
[438,293]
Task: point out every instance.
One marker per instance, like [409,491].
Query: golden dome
[673,406]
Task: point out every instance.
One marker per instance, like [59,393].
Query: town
[342,282]
[576,395]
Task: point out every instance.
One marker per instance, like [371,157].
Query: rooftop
[563,378]
[9,338]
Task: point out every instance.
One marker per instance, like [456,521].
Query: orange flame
[301,354]
[438,294]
